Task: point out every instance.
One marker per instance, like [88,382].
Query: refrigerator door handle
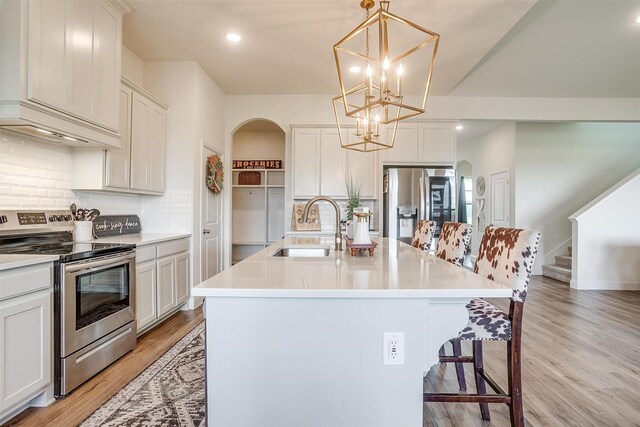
[423,204]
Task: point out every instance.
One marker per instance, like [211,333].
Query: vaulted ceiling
[512,48]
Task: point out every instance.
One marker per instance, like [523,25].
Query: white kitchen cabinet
[182,278]
[146,306]
[422,143]
[118,162]
[163,282]
[438,143]
[333,164]
[306,162]
[148,142]
[406,147]
[65,72]
[139,165]
[25,334]
[166,284]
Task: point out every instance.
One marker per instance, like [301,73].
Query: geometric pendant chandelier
[379,62]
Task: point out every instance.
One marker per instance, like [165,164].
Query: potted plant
[353,201]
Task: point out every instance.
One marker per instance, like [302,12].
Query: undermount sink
[302,252]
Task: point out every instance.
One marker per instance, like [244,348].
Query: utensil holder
[83,231]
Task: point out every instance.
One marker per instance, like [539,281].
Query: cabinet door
[405,149]
[47,55]
[438,143]
[140,140]
[157,147]
[363,168]
[145,296]
[166,284]
[117,162]
[306,163]
[332,164]
[182,278]
[74,58]
[25,340]
[107,53]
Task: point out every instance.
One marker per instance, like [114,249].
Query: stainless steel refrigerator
[411,194]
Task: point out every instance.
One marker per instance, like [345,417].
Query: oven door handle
[101,263]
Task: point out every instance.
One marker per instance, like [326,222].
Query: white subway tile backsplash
[36,174]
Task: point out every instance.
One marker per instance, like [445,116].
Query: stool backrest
[506,255]
[453,242]
[424,234]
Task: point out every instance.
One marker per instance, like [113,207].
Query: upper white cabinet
[61,69]
[306,162]
[422,143]
[148,144]
[321,165]
[139,165]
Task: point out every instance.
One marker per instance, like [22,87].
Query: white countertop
[396,270]
[142,239]
[8,261]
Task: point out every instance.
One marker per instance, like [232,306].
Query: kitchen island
[304,341]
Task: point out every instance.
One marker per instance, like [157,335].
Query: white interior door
[500,204]
[212,249]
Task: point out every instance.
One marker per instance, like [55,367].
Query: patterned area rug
[170,392]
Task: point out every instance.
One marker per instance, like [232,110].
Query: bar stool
[452,245]
[506,255]
[424,234]
[453,242]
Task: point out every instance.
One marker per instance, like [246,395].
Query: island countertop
[396,270]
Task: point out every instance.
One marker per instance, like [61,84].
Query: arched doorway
[258,179]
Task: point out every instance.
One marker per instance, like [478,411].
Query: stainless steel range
[94,317]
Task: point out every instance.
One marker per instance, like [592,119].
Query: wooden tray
[359,249]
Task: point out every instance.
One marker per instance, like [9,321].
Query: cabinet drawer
[145,253]
[173,247]
[23,280]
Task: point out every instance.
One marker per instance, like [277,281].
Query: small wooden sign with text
[257,164]
[115,225]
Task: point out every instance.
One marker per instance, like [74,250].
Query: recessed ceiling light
[459,127]
[638,19]
[233,37]
[355,69]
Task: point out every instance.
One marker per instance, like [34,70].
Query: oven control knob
[67,217]
[52,218]
[60,217]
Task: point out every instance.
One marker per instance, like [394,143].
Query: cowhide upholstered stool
[452,245]
[506,255]
[423,235]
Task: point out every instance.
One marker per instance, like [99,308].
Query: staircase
[561,270]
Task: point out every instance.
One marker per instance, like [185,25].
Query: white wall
[606,251]
[490,153]
[560,167]
[195,118]
[267,145]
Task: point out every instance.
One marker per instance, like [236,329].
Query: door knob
[206,231]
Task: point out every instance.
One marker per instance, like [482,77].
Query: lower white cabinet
[162,281]
[146,307]
[25,335]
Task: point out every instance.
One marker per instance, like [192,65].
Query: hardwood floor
[580,362]
[580,365]
[88,397]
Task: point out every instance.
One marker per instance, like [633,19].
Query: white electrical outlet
[393,348]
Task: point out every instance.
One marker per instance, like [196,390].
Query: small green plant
[353,192]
